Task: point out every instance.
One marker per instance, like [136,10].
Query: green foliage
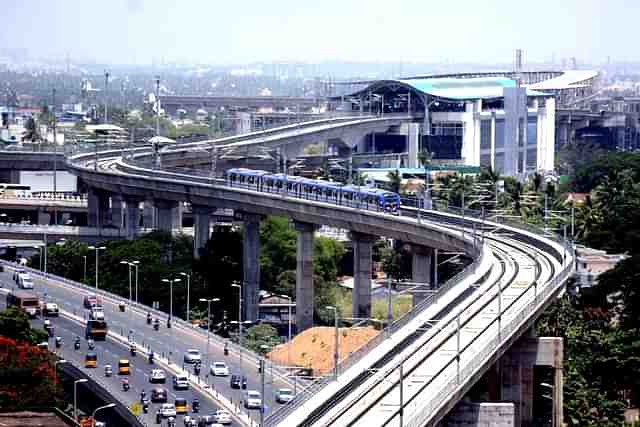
[277,251]
[15,324]
[261,338]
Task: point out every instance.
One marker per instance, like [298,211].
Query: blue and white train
[314,189]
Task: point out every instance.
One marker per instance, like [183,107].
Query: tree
[15,324]
[27,376]
[261,338]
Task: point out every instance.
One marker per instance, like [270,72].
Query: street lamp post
[237,285]
[107,406]
[289,299]
[336,353]
[171,282]
[75,396]
[188,276]
[97,249]
[55,374]
[84,257]
[208,301]
[136,264]
[130,296]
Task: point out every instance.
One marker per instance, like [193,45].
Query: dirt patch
[315,347]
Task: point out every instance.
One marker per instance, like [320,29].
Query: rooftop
[462,89]
[568,80]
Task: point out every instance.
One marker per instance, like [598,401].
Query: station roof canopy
[567,80]
[449,88]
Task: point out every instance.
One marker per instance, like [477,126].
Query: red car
[92,300]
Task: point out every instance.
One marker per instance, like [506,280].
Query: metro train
[362,197]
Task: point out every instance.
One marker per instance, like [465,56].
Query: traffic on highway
[158,394]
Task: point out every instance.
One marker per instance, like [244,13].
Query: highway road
[109,352]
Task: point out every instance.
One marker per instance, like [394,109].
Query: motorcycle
[58,342]
[196,405]
[151,357]
[133,350]
[196,370]
[226,349]
[148,318]
[143,397]
[76,344]
[171,422]
[91,344]
[125,385]
[145,407]
[156,325]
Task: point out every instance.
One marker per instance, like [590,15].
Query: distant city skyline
[199,31]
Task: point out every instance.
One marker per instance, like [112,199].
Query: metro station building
[472,120]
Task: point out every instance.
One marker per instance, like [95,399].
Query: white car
[25,282]
[222,417]
[252,399]
[157,376]
[97,313]
[167,410]
[192,356]
[51,309]
[180,381]
[219,369]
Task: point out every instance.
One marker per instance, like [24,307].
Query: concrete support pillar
[361,296]
[251,266]
[148,215]
[98,208]
[165,216]
[201,228]
[44,218]
[304,276]
[117,214]
[132,217]
[421,271]
[412,132]
[517,375]
[177,216]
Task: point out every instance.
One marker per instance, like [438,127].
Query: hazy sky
[240,31]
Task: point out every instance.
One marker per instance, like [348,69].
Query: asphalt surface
[171,343]
[109,352]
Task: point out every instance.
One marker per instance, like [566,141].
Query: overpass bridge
[421,365]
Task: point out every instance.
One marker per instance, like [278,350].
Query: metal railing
[358,355]
[480,359]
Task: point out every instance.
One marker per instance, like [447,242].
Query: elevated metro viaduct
[169,190]
[110,175]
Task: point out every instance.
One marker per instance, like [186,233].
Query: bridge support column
[361,296]
[132,217]
[117,217]
[165,215]
[98,208]
[421,267]
[201,228]
[304,276]
[148,215]
[531,367]
[251,265]
[413,144]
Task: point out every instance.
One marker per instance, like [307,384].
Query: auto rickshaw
[181,405]
[124,367]
[91,360]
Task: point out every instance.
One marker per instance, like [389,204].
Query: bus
[96,330]
[12,191]
[26,301]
